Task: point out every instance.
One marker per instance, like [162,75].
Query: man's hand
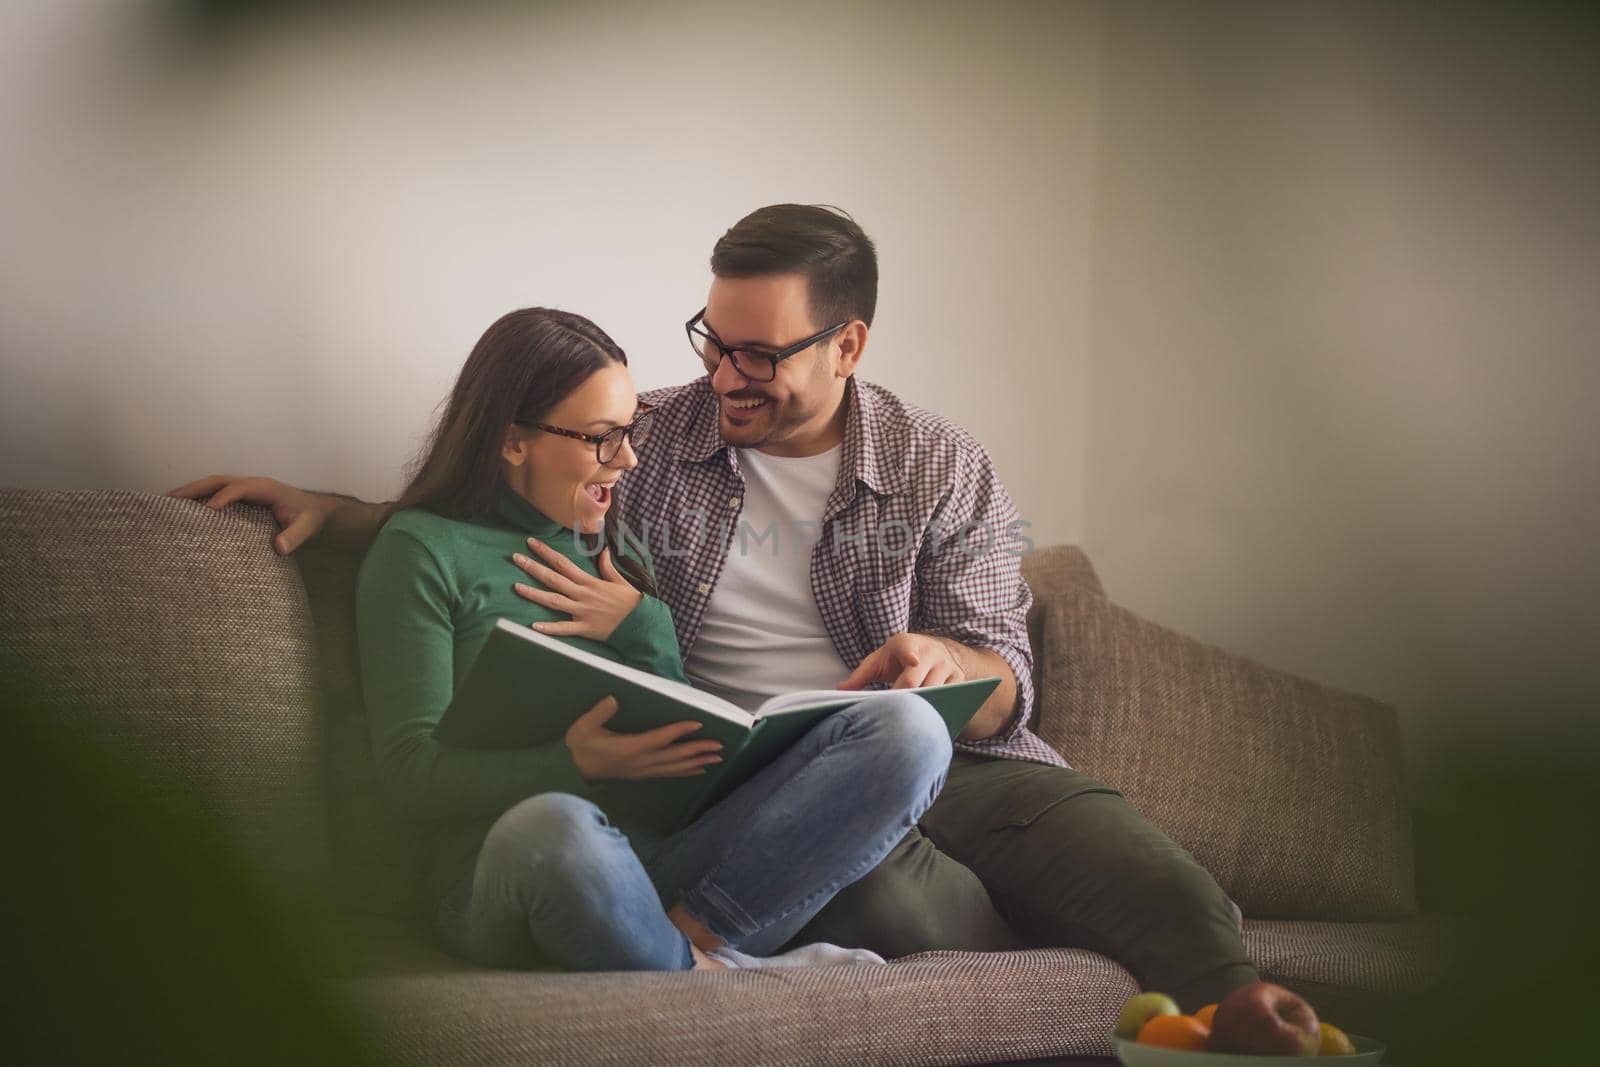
[907,661]
[300,514]
[660,753]
[341,521]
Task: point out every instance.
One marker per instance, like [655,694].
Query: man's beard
[781,420]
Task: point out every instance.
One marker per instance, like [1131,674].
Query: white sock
[820,954]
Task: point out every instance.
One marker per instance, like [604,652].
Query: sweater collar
[511,508]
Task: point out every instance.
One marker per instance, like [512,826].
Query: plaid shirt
[918,535]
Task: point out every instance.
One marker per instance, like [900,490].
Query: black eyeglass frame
[694,329]
[633,432]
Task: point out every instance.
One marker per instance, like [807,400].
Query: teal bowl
[1133,1054]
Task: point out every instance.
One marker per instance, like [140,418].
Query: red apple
[1263,1019]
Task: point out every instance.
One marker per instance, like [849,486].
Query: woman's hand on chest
[596,604]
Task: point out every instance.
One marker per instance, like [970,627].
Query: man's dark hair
[823,243]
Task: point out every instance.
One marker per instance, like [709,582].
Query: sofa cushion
[172,636]
[1365,978]
[1383,958]
[935,1007]
[1287,791]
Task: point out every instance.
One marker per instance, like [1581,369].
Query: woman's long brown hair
[523,366]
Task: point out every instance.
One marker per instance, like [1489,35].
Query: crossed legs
[556,882]
[1016,853]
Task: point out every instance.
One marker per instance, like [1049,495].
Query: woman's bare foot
[695,930]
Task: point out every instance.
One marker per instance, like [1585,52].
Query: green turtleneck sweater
[428,595]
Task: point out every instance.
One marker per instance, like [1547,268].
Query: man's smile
[742,407]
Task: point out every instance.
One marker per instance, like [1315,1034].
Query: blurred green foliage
[1518,870]
[138,934]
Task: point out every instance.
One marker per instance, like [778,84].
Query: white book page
[707,702]
[788,702]
[808,698]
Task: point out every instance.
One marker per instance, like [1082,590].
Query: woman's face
[561,475]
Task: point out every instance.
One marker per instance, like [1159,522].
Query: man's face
[793,413]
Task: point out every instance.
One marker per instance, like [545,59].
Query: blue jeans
[556,882]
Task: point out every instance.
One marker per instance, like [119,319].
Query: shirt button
[733,501]
[704,587]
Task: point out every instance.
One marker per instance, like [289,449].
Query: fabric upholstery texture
[1050,570]
[936,1007]
[1397,958]
[175,637]
[174,634]
[1287,791]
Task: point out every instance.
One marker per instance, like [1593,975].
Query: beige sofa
[173,636]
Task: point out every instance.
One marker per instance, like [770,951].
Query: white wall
[1284,310]
[276,257]
[1344,379]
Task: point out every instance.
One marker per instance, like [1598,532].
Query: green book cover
[526,689]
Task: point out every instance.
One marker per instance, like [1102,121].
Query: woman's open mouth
[600,494]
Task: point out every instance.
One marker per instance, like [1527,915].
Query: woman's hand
[597,605]
[659,753]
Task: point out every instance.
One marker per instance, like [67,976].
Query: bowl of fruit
[1255,1024]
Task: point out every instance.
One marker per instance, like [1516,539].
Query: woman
[525,863]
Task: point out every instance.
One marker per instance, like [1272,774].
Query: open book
[526,688]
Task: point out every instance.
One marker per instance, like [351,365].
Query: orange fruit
[1206,1014]
[1334,1042]
[1175,1031]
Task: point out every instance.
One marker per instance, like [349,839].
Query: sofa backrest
[1288,791]
[1052,573]
[172,637]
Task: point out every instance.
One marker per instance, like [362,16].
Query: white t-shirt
[762,633]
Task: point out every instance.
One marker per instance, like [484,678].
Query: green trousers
[1017,855]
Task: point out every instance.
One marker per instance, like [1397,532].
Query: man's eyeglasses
[757,365]
[608,444]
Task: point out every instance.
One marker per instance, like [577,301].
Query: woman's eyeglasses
[608,444]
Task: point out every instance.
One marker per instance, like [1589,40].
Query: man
[811,531]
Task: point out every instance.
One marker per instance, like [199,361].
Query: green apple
[1141,1009]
